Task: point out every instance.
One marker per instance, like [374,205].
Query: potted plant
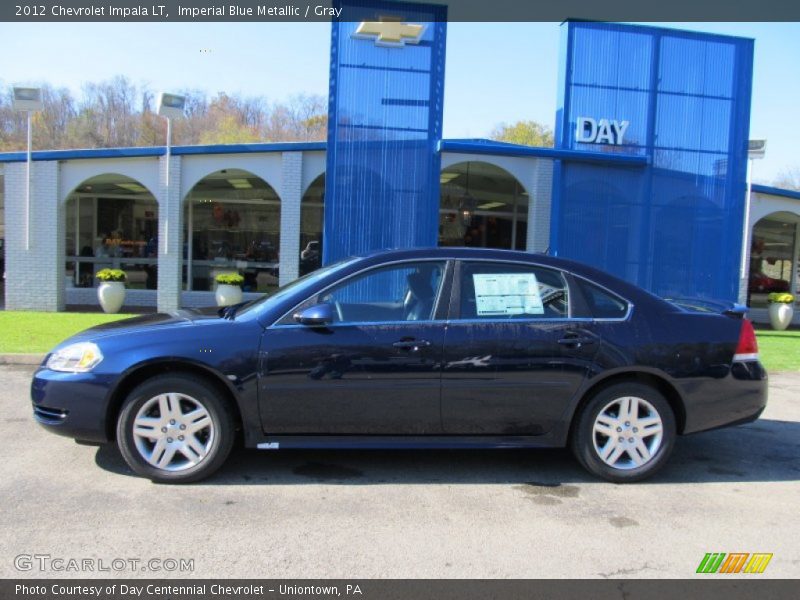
[111,291]
[229,288]
[781,309]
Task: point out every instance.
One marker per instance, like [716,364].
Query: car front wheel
[174,429]
[625,433]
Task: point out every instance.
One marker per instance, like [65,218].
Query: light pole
[28,100]
[756,149]
[170,106]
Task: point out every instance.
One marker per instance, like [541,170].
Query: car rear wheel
[625,433]
[174,429]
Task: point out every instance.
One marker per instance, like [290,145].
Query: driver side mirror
[315,316]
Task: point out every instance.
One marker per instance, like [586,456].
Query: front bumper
[73,404]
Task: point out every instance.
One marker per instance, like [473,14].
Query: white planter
[228,294]
[780,315]
[111,295]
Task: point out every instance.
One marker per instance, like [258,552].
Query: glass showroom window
[312,212]
[232,225]
[112,222]
[483,206]
[771,258]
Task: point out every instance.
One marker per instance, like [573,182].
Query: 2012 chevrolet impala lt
[434,348]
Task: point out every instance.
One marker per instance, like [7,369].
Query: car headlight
[75,358]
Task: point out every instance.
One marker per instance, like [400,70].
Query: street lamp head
[756,149]
[28,99]
[171,105]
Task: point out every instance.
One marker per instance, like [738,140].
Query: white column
[795,279]
[747,236]
[744,280]
[170,234]
[34,277]
[540,189]
[291,194]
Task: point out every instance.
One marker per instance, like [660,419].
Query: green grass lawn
[37,333]
[779,350]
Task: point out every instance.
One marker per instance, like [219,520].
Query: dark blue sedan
[434,348]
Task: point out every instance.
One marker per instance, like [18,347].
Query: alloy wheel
[173,431]
[627,433]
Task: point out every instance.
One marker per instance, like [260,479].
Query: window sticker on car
[507,294]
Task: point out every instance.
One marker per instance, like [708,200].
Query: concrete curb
[22,359]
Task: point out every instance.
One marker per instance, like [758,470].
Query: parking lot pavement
[453,514]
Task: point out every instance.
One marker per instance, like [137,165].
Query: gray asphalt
[359,514]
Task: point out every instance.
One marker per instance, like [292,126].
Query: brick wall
[540,190]
[291,194]
[34,276]
[170,234]
[88,297]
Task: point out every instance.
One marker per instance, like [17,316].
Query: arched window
[773,249]
[112,222]
[482,205]
[232,225]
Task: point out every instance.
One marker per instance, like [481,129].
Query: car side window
[602,304]
[403,292]
[495,291]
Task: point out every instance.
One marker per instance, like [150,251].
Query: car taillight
[747,348]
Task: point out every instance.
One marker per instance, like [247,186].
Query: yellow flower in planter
[229,279]
[780,298]
[111,275]
[111,291]
[229,289]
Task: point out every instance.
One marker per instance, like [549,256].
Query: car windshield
[296,286]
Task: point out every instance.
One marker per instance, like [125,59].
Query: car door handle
[576,341]
[412,345]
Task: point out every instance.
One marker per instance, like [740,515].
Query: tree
[789,178]
[310,115]
[302,119]
[51,125]
[13,124]
[227,129]
[119,113]
[196,119]
[525,133]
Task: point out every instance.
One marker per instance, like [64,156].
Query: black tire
[585,442]
[218,445]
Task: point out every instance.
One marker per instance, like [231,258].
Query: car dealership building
[647,180]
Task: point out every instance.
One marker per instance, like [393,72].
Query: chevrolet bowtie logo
[393,33]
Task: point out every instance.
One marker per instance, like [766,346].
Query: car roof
[614,283]
[463,253]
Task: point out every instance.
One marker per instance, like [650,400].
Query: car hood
[158,321]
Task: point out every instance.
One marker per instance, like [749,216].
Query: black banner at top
[458,10]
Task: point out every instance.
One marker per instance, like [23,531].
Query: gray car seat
[419,304]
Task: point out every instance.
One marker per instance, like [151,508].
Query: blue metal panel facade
[674,226]
[384,124]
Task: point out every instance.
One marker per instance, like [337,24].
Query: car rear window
[603,304]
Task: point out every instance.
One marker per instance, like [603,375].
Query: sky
[495,72]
